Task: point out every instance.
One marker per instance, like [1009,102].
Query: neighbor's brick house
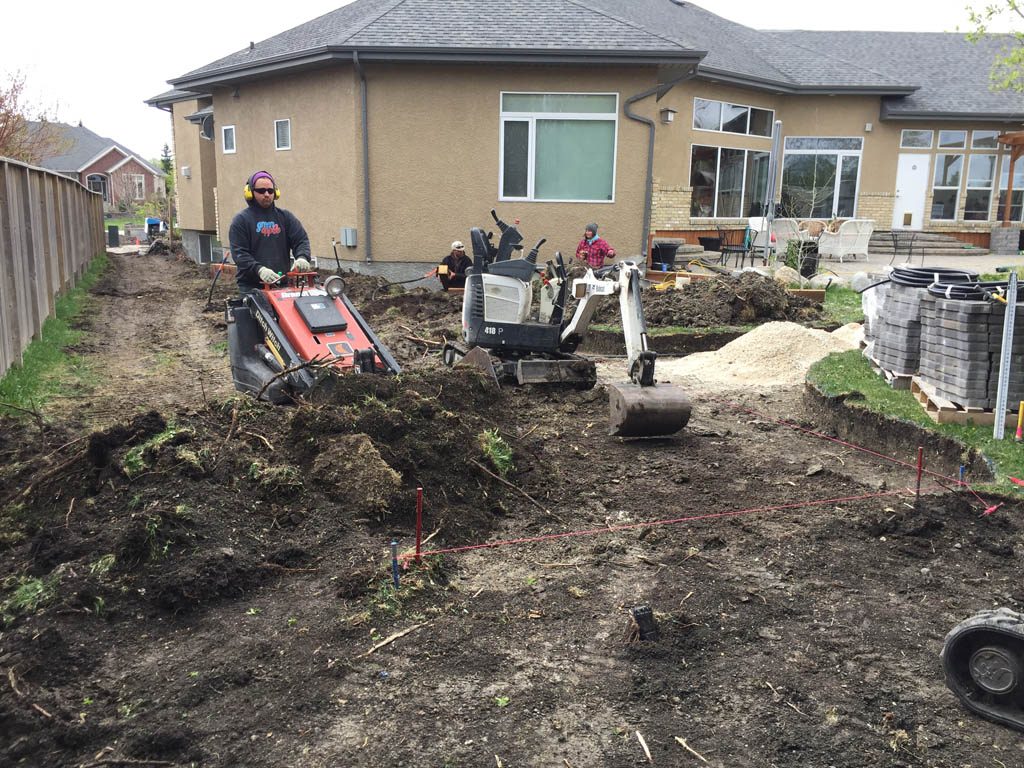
[105,166]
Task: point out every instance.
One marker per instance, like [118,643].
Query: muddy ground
[194,579]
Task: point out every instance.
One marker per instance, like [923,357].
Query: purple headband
[261,175]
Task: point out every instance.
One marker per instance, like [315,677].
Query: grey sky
[98,62]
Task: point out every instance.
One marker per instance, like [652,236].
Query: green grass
[849,373]
[135,221]
[46,368]
[843,305]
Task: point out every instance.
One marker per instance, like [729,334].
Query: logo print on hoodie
[268,228]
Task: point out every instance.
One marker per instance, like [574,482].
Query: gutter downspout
[366,158]
[661,90]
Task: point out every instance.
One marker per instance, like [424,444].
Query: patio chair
[732,244]
[851,240]
[757,239]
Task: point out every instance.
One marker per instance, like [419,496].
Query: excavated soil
[190,578]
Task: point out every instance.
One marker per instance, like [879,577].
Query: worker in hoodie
[264,238]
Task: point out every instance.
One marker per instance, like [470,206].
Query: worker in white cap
[452,269]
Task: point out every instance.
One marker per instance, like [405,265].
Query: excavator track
[983,659]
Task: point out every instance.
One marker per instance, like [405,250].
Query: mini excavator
[287,339]
[503,336]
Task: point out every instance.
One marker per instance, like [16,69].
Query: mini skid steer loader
[502,335]
[288,339]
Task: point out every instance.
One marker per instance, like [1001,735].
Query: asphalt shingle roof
[917,73]
[482,26]
[953,73]
[83,145]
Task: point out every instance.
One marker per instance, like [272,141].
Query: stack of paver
[892,327]
[961,343]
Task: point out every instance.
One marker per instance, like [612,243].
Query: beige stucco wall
[318,177]
[435,159]
[195,194]
[434,156]
[811,115]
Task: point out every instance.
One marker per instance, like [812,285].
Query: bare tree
[27,134]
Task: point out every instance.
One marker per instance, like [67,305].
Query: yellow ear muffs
[247,189]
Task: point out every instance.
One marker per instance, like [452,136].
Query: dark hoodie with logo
[264,237]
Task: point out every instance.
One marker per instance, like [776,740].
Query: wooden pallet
[895,380]
[943,411]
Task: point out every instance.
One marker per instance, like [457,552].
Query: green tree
[1008,68]
[167,166]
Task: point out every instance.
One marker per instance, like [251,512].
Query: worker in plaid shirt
[593,249]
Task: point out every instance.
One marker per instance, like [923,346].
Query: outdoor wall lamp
[668,115]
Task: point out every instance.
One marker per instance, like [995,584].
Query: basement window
[283,134]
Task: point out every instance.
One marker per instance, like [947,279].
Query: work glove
[267,275]
[301,265]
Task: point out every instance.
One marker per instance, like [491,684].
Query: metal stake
[999,425]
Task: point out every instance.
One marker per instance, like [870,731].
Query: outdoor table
[903,238]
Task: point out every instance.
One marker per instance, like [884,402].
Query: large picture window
[558,146]
[709,115]
[946,186]
[1018,189]
[727,182]
[981,172]
[820,177]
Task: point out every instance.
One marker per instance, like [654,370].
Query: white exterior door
[911,186]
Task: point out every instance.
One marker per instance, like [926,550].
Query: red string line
[854,446]
[653,523]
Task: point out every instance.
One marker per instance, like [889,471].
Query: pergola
[1015,141]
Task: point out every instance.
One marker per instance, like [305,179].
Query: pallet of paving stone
[941,410]
[893,379]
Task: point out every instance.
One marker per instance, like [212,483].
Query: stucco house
[103,165]
[395,126]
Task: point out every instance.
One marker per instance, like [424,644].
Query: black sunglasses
[263,191]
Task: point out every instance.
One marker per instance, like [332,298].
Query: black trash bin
[808,259]
[663,256]
[113,238]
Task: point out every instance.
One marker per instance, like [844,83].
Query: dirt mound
[726,300]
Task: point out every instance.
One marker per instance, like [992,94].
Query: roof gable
[83,148]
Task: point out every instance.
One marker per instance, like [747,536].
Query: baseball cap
[458,246]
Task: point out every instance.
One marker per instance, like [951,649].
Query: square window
[914,139]
[952,139]
[283,134]
[558,146]
[985,140]
[944,204]
[976,204]
[227,134]
[707,115]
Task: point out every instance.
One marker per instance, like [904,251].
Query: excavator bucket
[652,411]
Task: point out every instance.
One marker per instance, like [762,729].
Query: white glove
[267,275]
[301,265]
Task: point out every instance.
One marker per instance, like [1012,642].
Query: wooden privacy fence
[50,229]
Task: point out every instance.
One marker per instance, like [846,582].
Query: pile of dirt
[163,247]
[776,354]
[720,301]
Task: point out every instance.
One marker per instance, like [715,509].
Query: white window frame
[905,131]
[531,119]
[986,134]
[139,184]
[234,140]
[744,203]
[841,155]
[277,146]
[748,107]
[963,173]
[97,182]
[968,186]
[940,147]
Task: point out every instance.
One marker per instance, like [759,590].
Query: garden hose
[922,277]
[975,291]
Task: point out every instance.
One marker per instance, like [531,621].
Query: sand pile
[772,355]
